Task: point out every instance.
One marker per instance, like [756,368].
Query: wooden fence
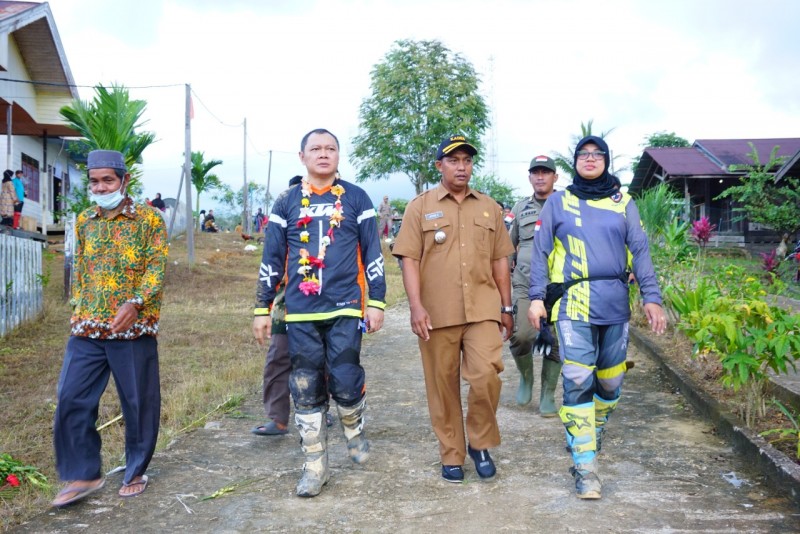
[20,281]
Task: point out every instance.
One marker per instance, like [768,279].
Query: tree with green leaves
[564,161]
[763,201]
[110,121]
[660,140]
[234,199]
[496,188]
[202,180]
[421,93]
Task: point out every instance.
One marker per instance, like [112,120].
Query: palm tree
[201,179]
[110,122]
[564,161]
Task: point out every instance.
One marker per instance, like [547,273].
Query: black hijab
[601,187]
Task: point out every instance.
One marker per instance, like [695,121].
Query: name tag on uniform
[434,215]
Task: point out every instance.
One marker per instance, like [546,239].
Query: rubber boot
[314,442]
[525,389]
[352,419]
[551,370]
[17,217]
[602,411]
[579,424]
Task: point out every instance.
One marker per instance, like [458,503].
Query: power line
[54,84]
[213,115]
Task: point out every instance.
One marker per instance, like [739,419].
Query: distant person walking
[19,187]
[258,220]
[120,256]
[455,247]
[385,217]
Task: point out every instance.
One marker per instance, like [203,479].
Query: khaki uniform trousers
[481,345]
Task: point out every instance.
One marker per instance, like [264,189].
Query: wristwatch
[507,309]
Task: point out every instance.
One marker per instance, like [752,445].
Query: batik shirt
[116,261]
[353,260]
[577,238]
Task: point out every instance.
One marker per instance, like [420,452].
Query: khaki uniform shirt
[456,283]
[526,213]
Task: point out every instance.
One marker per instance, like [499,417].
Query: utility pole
[246,214]
[187,173]
[269,176]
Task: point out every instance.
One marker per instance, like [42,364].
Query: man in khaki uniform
[525,214]
[454,247]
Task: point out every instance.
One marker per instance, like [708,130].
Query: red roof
[734,151]
[706,158]
[684,161]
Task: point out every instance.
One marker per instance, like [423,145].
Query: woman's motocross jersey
[577,238]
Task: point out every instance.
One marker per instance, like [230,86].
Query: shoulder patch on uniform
[434,215]
[536,227]
[616,197]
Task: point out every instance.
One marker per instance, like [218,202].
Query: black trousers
[84,377]
[317,347]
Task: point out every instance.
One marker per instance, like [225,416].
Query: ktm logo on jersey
[320,210]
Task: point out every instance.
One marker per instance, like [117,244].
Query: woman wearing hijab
[8,197]
[589,240]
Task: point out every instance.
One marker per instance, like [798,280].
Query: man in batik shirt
[120,255]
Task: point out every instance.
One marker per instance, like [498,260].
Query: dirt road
[663,470]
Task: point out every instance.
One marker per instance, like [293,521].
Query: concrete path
[663,469]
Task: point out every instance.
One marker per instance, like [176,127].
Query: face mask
[108,201]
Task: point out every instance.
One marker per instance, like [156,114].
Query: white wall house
[35,82]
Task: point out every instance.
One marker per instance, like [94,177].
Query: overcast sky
[701,68]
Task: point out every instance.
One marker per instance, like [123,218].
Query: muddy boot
[314,442]
[602,411]
[525,389]
[551,370]
[587,483]
[352,419]
[579,425]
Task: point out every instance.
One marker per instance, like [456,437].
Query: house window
[30,169]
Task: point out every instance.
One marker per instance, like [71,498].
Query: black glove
[544,341]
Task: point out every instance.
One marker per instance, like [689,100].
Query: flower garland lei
[310,284]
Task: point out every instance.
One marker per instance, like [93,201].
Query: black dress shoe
[483,462]
[453,473]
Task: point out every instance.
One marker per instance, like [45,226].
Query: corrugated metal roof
[684,161]
[734,151]
[10,9]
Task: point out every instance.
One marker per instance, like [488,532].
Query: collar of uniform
[442,192]
[128,209]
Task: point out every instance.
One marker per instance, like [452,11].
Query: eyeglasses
[584,154]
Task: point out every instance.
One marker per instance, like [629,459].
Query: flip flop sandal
[269,429]
[79,492]
[142,483]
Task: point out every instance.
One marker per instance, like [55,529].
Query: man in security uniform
[323,234]
[542,176]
